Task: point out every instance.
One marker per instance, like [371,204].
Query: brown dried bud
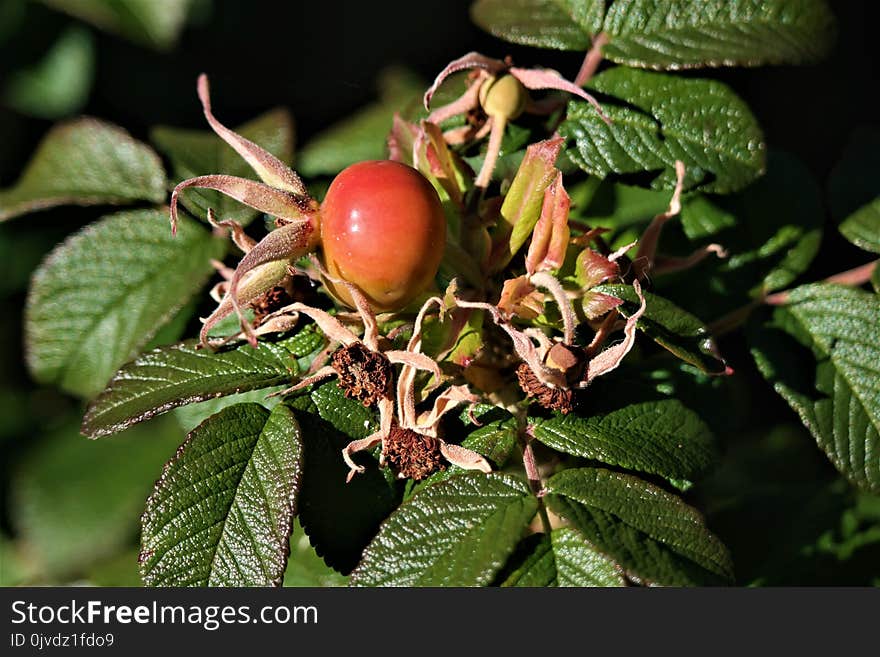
[412,455]
[273,299]
[558,399]
[364,375]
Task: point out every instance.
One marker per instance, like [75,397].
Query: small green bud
[505,97]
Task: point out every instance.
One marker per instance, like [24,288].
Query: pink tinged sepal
[464,458]
[593,269]
[359,446]
[468,61]
[401,140]
[535,79]
[609,359]
[241,239]
[551,234]
[671,264]
[249,286]
[469,100]
[269,168]
[432,156]
[259,270]
[259,196]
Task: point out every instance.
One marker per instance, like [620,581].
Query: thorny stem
[592,60]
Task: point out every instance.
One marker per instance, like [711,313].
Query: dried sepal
[671,264]
[554,287]
[259,196]
[469,61]
[358,446]
[520,298]
[240,238]
[464,458]
[537,79]
[647,251]
[611,357]
[260,269]
[522,344]
[269,168]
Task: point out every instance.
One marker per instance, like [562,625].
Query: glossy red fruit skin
[383,229]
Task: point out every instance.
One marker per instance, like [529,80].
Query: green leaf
[658,437]
[105,291]
[75,502]
[197,153]
[59,84]
[771,232]
[85,162]
[875,279]
[676,34]
[146,22]
[863,227]
[341,518]
[658,119]
[841,326]
[672,328]
[180,374]
[556,24]
[652,535]
[362,136]
[305,567]
[13,564]
[458,532]
[565,559]
[192,415]
[222,513]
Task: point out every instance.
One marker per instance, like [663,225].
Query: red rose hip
[383,229]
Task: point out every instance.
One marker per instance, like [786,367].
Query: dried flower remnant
[409,438]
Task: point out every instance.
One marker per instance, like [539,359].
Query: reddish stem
[592,60]
[854,277]
[492,151]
